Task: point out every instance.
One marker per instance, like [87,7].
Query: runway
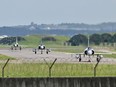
[27,55]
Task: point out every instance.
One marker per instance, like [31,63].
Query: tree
[48,39]
[106,38]
[114,38]
[10,40]
[95,38]
[78,39]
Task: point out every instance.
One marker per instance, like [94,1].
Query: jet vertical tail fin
[88,40]
[16,40]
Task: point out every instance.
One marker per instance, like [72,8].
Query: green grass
[4,57]
[35,40]
[32,40]
[58,70]
[109,56]
[70,49]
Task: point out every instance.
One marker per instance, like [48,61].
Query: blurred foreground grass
[58,70]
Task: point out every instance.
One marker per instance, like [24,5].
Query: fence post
[4,68]
[96,65]
[50,66]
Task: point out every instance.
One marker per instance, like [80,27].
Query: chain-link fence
[55,68]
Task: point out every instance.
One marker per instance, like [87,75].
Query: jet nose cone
[89,52]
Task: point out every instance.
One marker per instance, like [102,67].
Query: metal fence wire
[55,68]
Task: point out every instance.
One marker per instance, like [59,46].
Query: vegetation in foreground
[4,57]
[58,70]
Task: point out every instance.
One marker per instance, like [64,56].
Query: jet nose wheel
[79,59]
[78,56]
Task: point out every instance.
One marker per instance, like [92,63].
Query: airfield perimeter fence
[55,68]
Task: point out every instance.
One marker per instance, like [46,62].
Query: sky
[23,12]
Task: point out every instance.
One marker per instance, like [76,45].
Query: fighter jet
[16,46]
[41,48]
[89,52]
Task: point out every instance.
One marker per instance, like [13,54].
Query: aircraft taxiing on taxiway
[89,52]
[16,46]
[41,48]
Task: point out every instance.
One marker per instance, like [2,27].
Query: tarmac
[27,55]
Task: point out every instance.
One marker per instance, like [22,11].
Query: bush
[48,39]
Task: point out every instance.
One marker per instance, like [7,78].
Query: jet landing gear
[41,51]
[16,48]
[79,59]
[47,51]
[78,56]
[35,51]
[89,58]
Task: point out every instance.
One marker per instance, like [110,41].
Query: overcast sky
[20,12]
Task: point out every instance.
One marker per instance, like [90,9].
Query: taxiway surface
[27,55]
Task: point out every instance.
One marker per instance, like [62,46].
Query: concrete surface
[29,55]
[59,82]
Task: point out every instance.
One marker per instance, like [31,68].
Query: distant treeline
[65,29]
[10,40]
[96,39]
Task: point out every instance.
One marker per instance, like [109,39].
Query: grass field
[58,70]
[4,57]
[35,40]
